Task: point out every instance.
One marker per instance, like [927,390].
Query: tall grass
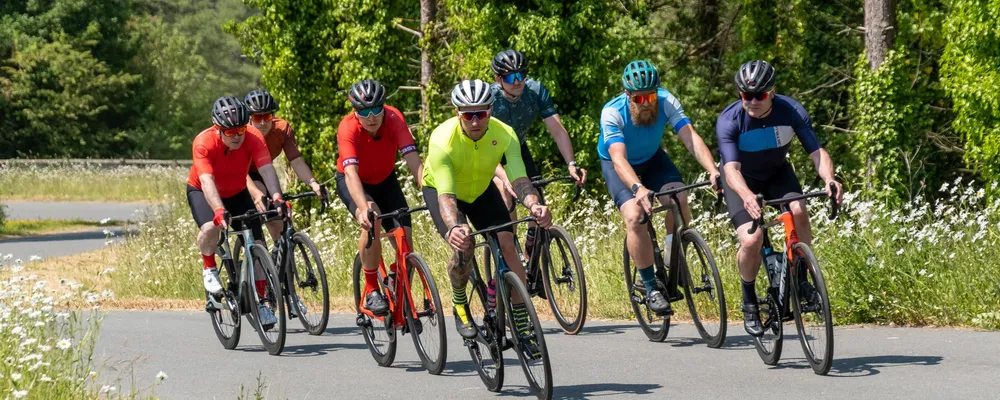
[922,263]
[88,182]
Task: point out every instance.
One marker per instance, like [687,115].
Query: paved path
[610,360]
[85,210]
[64,244]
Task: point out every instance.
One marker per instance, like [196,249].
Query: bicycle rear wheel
[485,350]
[703,289]
[536,365]
[226,322]
[273,337]
[379,333]
[812,316]
[311,302]
[426,327]
[655,327]
[564,281]
[769,344]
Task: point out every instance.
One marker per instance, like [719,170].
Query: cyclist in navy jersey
[754,135]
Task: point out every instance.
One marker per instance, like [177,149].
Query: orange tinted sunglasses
[258,118]
[644,98]
[239,131]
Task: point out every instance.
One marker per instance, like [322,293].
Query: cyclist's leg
[208,237]
[273,227]
[659,174]
[370,256]
[637,237]
[460,265]
[748,255]
[389,197]
[784,183]
[486,212]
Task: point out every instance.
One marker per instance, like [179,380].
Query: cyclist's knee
[798,208]
[751,241]
[632,214]
[210,229]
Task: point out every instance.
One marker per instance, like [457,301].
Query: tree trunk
[428,9]
[880,30]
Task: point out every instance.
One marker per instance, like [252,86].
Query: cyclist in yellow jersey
[464,153]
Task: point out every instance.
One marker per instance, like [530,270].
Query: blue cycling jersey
[761,145]
[533,102]
[641,142]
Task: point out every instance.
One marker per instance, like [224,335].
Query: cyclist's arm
[416,167]
[255,193]
[735,181]
[807,137]
[262,159]
[728,137]
[444,180]
[210,191]
[824,164]
[514,166]
[354,186]
[620,159]
[561,137]
[501,173]
[295,159]
[698,149]
[407,148]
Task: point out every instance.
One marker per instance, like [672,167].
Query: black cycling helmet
[229,112]
[508,62]
[755,76]
[366,94]
[260,102]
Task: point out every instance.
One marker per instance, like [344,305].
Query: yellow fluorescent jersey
[458,165]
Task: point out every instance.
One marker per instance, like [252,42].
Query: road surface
[64,244]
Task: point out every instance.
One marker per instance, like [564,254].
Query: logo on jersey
[494,142]
[408,149]
[350,161]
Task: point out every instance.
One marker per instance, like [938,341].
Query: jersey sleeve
[612,124]
[404,138]
[440,165]
[674,112]
[514,164]
[258,150]
[728,138]
[345,146]
[804,129]
[200,158]
[291,146]
[545,106]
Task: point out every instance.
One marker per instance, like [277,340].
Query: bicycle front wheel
[485,349]
[530,348]
[812,315]
[379,333]
[226,321]
[703,289]
[564,282]
[272,336]
[655,327]
[770,343]
[311,303]
[426,322]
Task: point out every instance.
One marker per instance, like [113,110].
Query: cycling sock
[261,287]
[371,280]
[458,296]
[749,293]
[648,278]
[521,319]
[208,260]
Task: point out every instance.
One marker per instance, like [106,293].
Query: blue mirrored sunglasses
[510,79]
[369,112]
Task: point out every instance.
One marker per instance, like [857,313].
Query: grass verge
[86,182]
[31,227]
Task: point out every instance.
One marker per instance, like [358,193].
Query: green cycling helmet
[640,75]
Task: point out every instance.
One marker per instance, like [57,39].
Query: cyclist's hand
[840,190]
[458,238]
[642,197]
[317,188]
[716,181]
[361,214]
[542,215]
[578,174]
[750,204]
[258,198]
[219,219]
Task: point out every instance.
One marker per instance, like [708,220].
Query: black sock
[749,293]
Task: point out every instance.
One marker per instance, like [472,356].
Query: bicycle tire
[540,380]
[770,344]
[576,282]
[381,346]
[654,326]
[820,365]
[491,329]
[276,343]
[711,285]
[313,266]
[427,305]
[230,284]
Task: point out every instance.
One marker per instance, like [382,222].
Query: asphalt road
[609,360]
[64,244]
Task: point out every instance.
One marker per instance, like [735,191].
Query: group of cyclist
[477,164]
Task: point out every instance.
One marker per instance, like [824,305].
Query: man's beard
[642,115]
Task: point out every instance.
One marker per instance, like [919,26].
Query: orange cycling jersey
[229,167]
[281,137]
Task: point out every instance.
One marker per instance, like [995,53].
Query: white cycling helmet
[471,93]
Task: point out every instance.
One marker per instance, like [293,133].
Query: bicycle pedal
[209,307]
[665,313]
[675,297]
[362,321]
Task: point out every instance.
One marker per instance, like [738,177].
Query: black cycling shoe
[530,347]
[419,327]
[658,304]
[376,303]
[467,329]
[807,291]
[751,320]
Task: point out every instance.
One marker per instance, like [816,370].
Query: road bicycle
[693,271]
[811,313]
[414,303]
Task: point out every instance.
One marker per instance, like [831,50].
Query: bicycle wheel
[703,289]
[486,348]
[273,337]
[536,365]
[379,333]
[769,344]
[654,326]
[427,326]
[812,318]
[311,300]
[564,281]
[226,322]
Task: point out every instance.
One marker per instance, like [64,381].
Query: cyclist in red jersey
[222,156]
[279,136]
[367,141]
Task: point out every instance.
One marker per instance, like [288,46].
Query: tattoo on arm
[523,188]
[449,209]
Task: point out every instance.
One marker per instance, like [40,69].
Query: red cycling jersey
[228,167]
[281,137]
[374,156]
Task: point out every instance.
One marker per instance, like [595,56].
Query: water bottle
[666,248]
[491,294]
[529,243]
[774,261]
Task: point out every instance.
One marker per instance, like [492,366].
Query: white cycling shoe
[211,279]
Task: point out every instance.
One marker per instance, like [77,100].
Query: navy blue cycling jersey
[761,145]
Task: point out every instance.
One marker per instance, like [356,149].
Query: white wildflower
[64,344]
[34,258]
[16,376]
[161,376]
[18,394]
[105,221]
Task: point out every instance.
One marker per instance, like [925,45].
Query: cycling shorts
[486,211]
[238,204]
[781,183]
[387,195]
[654,173]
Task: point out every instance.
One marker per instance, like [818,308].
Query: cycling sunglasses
[238,131]
[513,78]
[258,118]
[644,98]
[370,112]
[469,115]
[759,96]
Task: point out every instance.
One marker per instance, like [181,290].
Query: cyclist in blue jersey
[754,135]
[520,102]
[633,163]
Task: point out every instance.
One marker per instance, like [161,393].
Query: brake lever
[834,206]
[759,221]
[646,217]
[371,232]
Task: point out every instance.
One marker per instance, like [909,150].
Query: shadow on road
[603,389]
[310,350]
[344,330]
[864,366]
[597,330]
